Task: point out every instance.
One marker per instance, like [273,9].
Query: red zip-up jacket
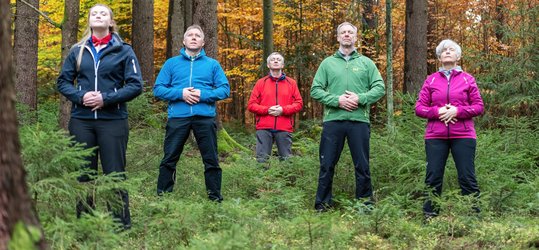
[460,91]
[270,91]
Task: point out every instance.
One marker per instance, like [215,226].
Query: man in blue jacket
[191,83]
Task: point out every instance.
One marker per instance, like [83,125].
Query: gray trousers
[264,143]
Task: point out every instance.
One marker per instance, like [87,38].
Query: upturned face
[100,18]
[347,36]
[193,39]
[276,62]
[449,55]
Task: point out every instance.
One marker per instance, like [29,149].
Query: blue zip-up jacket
[116,74]
[200,72]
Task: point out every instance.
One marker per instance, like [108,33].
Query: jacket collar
[454,71]
[114,41]
[280,78]
[352,55]
[188,57]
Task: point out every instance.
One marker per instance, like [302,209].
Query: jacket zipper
[276,100]
[191,80]
[448,102]
[96,67]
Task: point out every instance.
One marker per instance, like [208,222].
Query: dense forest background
[270,207]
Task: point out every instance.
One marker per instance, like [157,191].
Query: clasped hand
[349,101]
[276,110]
[93,99]
[191,95]
[448,114]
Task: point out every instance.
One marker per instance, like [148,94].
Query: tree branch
[55,24]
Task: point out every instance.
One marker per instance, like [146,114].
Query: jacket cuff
[105,99]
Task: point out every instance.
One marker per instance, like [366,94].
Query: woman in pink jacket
[449,99]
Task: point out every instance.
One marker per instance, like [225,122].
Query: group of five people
[101,73]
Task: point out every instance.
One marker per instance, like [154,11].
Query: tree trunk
[268,33]
[206,16]
[369,28]
[25,50]
[415,47]
[15,203]
[389,69]
[70,27]
[432,36]
[189,10]
[142,38]
[175,27]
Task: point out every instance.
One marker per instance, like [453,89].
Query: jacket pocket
[116,90]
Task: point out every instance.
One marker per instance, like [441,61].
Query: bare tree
[15,203]
[70,27]
[432,37]
[142,37]
[175,27]
[189,10]
[389,69]
[268,31]
[206,16]
[415,46]
[25,50]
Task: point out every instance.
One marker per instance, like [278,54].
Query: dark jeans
[264,143]
[334,134]
[110,137]
[177,132]
[463,152]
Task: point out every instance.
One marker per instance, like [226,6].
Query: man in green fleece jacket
[347,83]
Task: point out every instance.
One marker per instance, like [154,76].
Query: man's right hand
[347,102]
[191,95]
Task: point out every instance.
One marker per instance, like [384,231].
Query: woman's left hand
[94,100]
[449,114]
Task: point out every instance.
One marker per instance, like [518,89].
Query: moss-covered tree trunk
[206,16]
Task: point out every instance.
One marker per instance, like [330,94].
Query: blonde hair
[193,27]
[88,31]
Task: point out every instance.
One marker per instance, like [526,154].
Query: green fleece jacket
[336,75]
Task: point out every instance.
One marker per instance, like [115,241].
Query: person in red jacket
[449,99]
[274,101]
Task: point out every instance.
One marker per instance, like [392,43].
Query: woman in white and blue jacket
[100,74]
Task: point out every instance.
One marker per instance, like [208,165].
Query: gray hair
[193,27]
[344,24]
[275,54]
[445,44]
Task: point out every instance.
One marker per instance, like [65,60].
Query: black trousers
[334,134]
[110,137]
[463,152]
[177,132]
